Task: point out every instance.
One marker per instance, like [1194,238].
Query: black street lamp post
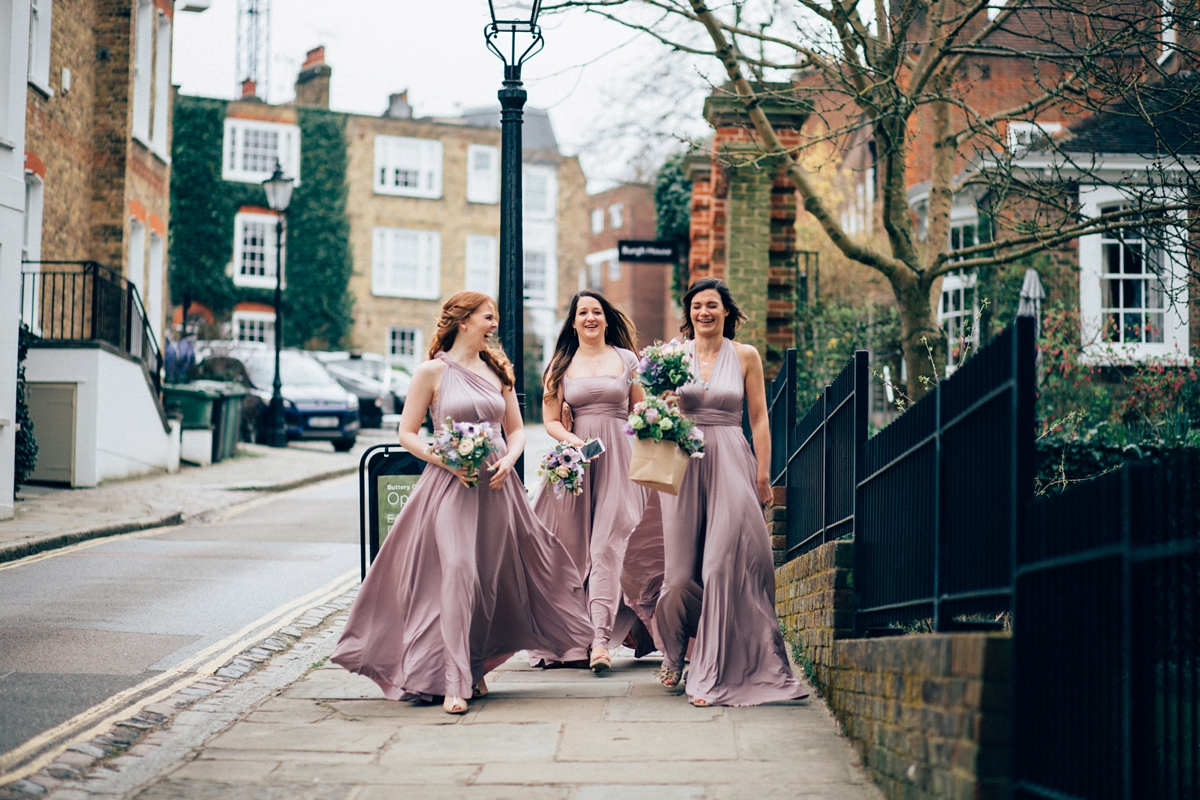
[514,36]
[279,196]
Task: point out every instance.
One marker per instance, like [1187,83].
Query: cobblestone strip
[161,735]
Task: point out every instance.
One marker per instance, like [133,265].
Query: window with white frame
[1132,282]
[31,247]
[616,215]
[38,63]
[254,327]
[597,220]
[958,312]
[614,270]
[406,263]
[137,257]
[482,268]
[404,345]
[539,189]
[536,288]
[254,250]
[252,147]
[483,174]
[153,298]
[143,69]
[1169,35]
[408,167]
[1023,135]
[162,84]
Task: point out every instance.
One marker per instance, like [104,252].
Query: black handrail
[91,303]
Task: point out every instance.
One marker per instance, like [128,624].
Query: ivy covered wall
[316,303]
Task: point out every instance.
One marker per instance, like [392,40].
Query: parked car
[370,372]
[315,405]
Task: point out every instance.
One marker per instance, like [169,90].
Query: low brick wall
[929,713]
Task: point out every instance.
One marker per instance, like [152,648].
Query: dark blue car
[315,406]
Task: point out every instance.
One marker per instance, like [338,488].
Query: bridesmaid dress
[466,578]
[595,525]
[719,581]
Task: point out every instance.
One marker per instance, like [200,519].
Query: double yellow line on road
[47,746]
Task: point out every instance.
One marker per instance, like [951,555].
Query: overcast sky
[436,51]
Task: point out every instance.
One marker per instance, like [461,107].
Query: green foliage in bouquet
[661,420]
[664,367]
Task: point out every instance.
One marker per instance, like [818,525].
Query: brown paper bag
[658,465]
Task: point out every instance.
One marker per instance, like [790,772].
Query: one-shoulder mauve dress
[596,524]
[466,578]
[719,581]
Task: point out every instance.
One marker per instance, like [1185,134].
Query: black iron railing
[1107,638]
[83,301]
[816,457]
[941,492]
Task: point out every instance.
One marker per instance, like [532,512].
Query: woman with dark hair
[719,576]
[467,575]
[591,374]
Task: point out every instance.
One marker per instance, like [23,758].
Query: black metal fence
[816,457]
[1107,638]
[78,301]
[933,500]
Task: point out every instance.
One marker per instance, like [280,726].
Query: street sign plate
[650,252]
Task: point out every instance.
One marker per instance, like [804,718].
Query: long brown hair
[734,315]
[457,310]
[619,332]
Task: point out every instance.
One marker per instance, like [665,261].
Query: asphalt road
[84,624]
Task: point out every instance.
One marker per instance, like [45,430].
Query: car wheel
[343,445]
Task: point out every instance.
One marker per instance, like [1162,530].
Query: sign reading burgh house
[636,250]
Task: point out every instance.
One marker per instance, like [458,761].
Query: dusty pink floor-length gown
[719,581]
[466,577]
[595,525]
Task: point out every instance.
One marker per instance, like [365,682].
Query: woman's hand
[460,473]
[575,440]
[500,472]
[765,493]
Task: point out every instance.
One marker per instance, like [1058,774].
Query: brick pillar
[748,244]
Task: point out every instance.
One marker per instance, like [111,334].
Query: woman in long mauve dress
[719,581]
[467,575]
[592,372]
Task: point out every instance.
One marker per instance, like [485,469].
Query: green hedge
[316,303]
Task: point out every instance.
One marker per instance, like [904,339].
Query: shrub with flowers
[562,469]
[664,367]
[661,420]
[464,445]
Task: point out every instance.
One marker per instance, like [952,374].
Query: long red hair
[457,310]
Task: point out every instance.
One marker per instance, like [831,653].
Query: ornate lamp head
[279,190]
[513,34]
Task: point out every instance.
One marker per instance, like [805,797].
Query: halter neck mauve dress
[466,577]
[719,575]
[595,525]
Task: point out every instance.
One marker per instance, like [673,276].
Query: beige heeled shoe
[601,659]
[454,705]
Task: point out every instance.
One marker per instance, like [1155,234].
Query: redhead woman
[719,577]
[591,372]
[467,575]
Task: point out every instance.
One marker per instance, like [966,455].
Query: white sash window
[483,174]
[408,167]
[252,147]
[406,263]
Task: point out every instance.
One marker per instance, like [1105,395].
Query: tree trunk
[923,339]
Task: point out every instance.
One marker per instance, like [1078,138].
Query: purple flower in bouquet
[664,367]
[563,469]
[464,445]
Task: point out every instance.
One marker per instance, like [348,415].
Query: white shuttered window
[483,272]
[408,167]
[406,263]
[483,174]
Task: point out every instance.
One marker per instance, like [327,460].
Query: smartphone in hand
[591,449]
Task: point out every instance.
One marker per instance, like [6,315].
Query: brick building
[422,211]
[744,213]
[641,290]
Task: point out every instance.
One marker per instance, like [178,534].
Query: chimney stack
[312,84]
[398,107]
[249,90]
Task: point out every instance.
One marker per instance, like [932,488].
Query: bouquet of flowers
[664,367]
[666,441]
[464,444]
[661,420]
[562,468]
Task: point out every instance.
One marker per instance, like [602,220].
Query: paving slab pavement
[562,734]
